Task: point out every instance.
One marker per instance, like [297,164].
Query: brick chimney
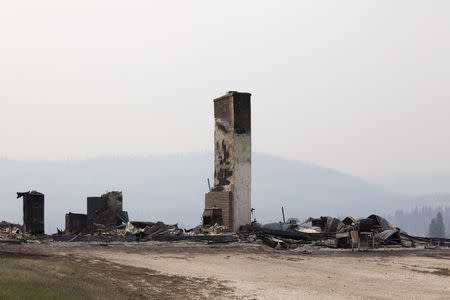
[229,201]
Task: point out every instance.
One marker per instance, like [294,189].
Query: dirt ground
[254,271]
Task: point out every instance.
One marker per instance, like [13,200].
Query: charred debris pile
[106,221]
[12,233]
[139,231]
[17,234]
[348,233]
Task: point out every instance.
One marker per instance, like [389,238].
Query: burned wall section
[95,208]
[33,212]
[104,210]
[76,223]
[232,154]
[224,144]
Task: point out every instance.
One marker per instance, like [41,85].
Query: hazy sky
[359,86]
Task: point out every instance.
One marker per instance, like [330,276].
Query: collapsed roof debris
[371,232]
[361,233]
[327,224]
[105,221]
[15,233]
[151,231]
[11,232]
[350,232]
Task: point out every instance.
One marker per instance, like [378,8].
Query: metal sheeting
[328,224]
[385,224]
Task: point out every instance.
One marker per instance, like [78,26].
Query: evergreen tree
[437,227]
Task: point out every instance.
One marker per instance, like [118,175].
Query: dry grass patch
[50,277]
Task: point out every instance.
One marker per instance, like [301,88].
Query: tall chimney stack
[229,202]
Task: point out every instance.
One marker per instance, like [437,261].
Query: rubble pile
[202,229]
[151,231]
[355,233]
[11,231]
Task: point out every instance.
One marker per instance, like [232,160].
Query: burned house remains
[229,201]
[33,212]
